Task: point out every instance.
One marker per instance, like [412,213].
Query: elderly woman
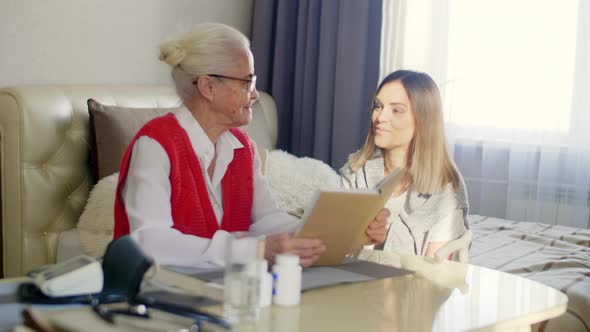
[429,207]
[189,179]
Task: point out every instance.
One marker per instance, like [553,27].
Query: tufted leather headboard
[44,173]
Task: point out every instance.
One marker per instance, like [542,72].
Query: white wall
[100,41]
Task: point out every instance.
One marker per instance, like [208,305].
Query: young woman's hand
[377,231]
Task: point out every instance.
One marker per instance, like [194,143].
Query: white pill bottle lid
[287,259]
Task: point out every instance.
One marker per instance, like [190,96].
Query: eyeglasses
[251,81]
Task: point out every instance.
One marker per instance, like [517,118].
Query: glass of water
[242,277]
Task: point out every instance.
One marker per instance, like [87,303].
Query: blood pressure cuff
[124,265]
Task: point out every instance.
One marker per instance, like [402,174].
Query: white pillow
[96,223]
[292,182]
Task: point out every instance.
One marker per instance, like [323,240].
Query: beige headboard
[44,174]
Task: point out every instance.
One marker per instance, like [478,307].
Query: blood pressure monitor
[78,275]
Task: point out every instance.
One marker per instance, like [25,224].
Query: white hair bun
[172,53]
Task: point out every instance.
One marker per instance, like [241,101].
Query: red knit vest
[192,211]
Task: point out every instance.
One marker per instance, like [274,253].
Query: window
[514,77]
[510,64]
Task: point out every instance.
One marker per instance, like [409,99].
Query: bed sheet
[557,256]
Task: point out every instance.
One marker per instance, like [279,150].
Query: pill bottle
[266,285]
[286,280]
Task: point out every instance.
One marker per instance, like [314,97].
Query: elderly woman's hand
[308,249]
[376,231]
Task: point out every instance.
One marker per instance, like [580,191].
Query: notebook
[340,218]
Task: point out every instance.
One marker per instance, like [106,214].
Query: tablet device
[340,218]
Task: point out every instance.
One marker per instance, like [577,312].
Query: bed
[46,177]
[557,256]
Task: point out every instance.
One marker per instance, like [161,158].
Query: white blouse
[147,192]
[446,229]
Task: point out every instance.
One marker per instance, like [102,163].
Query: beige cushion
[111,130]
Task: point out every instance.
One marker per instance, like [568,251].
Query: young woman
[429,207]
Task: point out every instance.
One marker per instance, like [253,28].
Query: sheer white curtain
[515,82]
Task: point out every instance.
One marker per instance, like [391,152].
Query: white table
[447,296]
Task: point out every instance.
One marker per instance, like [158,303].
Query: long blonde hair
[428,164]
